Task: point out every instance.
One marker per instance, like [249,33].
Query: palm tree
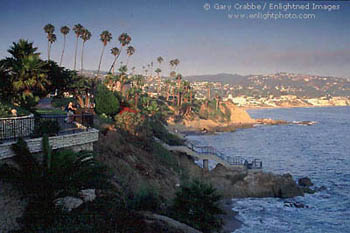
[172,64]
[64,30]
[49,30]
[217,98]
[22,48]
[85,36]
[51,38]
[160,60]
[78,28]
[130,51]
[105,37]
[115,51]
[179,78]
[158,70]
[124,39]
[167,82]
[176,63]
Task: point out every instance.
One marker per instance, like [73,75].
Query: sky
[204,38]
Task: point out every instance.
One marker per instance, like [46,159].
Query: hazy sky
[205,41]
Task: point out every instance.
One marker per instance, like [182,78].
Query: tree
[49,30]
[105,37]
[124,39]
[64,30]
[176,63]
[60,78]
[106,102]
[22,48]
[78,29]
[217,98]
[130,51]
[197,204]
[85,36]
[27,75]
[208,85]
[179,78]
[160,60]
[167,82]
[115,51]
[158,70]
[52,39]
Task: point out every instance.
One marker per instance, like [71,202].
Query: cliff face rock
[238,115]
[238,118]
[240,183]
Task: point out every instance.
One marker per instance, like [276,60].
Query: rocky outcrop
[238,115]
[238,118]
[69,203]
[305,181]
[160,223]
[237,183]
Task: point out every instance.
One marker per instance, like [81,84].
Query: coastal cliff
[227,117]
[140,167]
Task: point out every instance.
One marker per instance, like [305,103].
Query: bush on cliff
[197,204]
[106,102]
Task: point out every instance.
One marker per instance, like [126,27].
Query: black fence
[14,127]
[36,126]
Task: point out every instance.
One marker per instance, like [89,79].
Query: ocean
[320,152]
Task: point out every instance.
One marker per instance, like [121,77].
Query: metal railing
[232,160]
[14,127]
[27,127]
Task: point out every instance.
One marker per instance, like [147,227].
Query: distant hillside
[224,78]
[280,84]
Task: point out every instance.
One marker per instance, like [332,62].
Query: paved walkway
[45,103]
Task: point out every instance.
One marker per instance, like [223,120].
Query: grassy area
[50,111]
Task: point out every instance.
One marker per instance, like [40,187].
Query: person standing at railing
[70,109]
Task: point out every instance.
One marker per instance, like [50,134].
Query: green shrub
[164,156]
[59,174]
[106,102]
[197,204]
[146,198]
[46,127]
[163,134]
[5,110]
[62,102]
[130,122]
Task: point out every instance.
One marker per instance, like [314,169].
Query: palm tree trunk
[76,51]
[112,66]
[99,64]
[167,93]
[82,57]
[127,60]
[174,101]
[48,50]
[64,46]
